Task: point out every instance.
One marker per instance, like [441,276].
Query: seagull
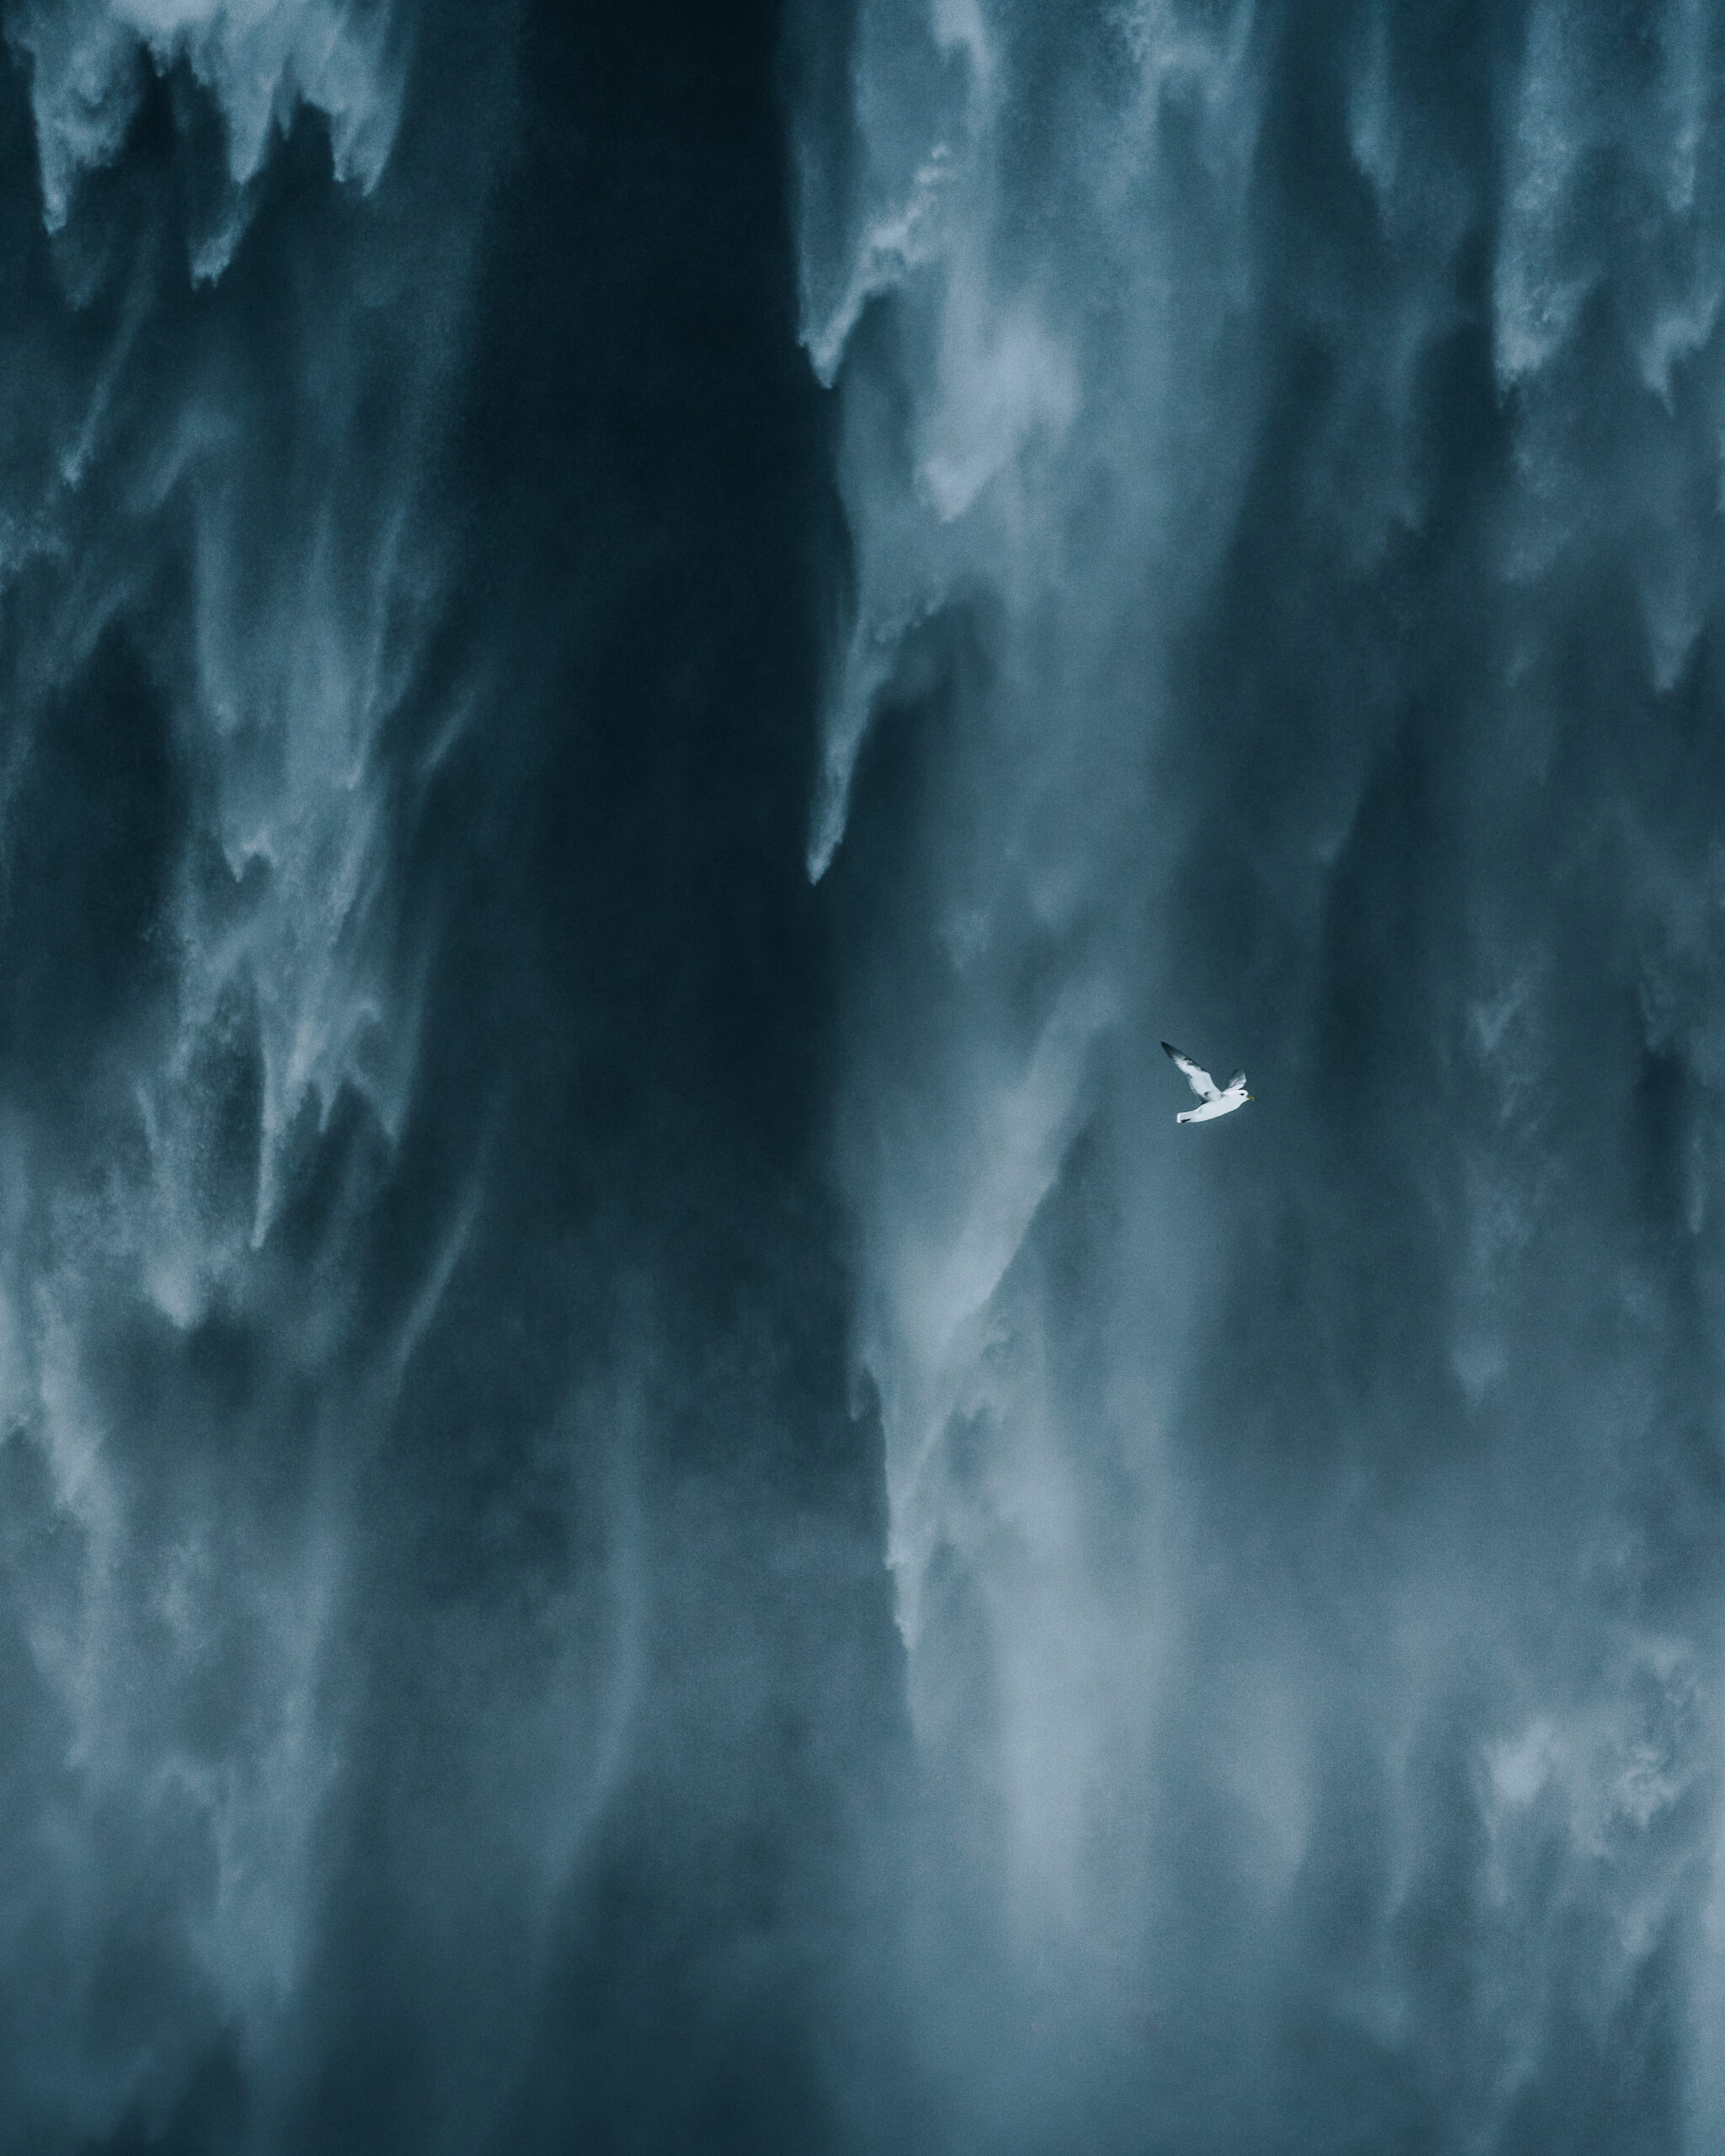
[1214,1100]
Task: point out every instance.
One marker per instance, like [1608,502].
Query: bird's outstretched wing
[1236,1082]
[1200,1082]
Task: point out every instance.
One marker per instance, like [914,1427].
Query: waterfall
[442,1618]
[648,1501]
[214,607]
[1281,457]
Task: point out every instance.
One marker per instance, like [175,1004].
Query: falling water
[443,1621]
[1282,455]
[648,1501]
[211,617]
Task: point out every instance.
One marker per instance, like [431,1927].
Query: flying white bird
[1214,1100]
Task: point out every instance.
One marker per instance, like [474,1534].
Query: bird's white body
[1223,1104]
[1213,1100]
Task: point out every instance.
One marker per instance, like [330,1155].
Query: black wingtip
[1168,1049]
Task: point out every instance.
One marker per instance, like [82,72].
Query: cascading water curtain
[212,606]
[448,1699]
[1283,449]
[647,1501]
